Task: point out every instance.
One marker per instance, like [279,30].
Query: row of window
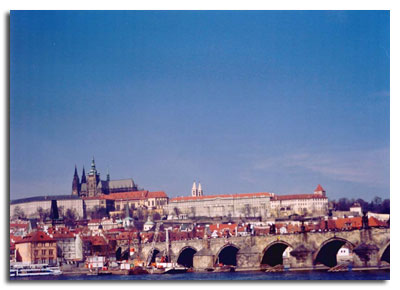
[39,245]
[44,261]
[44,252]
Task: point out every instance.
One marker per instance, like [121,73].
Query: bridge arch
[227,255]
[326,253]
[122,254]
[385,253]
[153,256]
[185,256]
[272,255]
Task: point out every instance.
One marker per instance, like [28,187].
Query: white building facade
[303,204]
[224,205]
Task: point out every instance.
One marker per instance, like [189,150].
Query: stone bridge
[367,247]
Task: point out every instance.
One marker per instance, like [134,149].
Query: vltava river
[307,275]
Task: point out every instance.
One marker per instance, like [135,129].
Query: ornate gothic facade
[91,184]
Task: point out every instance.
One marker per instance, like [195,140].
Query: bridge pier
[248,258]
[366,255]
[301,257]
[203,260]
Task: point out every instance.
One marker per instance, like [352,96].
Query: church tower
[76,186]
[320,190]
[199,190]
[194,189]
[93,180]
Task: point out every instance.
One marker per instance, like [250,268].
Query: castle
[91,185]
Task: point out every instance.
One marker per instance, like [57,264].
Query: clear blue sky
[244,101]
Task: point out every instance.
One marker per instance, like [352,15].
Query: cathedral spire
[108,174]
[93,170]
[76,187]
[83,179]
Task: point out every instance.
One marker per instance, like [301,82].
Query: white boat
[34,270]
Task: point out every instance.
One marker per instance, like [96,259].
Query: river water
[306,275]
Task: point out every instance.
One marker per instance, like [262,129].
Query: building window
[51,252]
[43,252]
[36,252]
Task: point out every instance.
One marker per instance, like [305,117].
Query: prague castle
[91,185]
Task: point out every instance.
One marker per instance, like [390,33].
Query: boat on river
[28,270]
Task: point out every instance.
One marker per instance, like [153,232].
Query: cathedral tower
[92,180]
[76,186]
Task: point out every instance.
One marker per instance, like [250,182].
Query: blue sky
[244,101]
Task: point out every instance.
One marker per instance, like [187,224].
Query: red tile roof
[374,222]
[38,236]
[131,195]
[14,239]
[98,241]
[343,223]
[63,235]
[298,196]
[19,226]
[236,195]
[223,227]
[319,188]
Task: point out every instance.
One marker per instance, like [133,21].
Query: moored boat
[28,270]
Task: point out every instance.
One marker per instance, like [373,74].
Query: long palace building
[257,205]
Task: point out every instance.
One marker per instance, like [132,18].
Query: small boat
[276,268]
[224,268]
[104,272]
[119,272]
[138,271]
[175,270]
[339,268]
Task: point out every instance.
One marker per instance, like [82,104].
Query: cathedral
[91,184]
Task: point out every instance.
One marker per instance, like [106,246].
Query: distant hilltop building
[91,185]
[310,203]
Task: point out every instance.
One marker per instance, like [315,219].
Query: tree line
[377,204]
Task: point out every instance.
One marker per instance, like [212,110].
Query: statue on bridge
[365,224]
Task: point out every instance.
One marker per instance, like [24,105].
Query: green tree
[176,211]
[156,216]
[40,213]
[70,215]
[98,212]
[19,213]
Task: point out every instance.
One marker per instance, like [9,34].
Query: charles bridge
[368,248]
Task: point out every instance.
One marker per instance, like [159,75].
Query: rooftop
[38,236]
[236,195]
[44,198]
[298,196]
